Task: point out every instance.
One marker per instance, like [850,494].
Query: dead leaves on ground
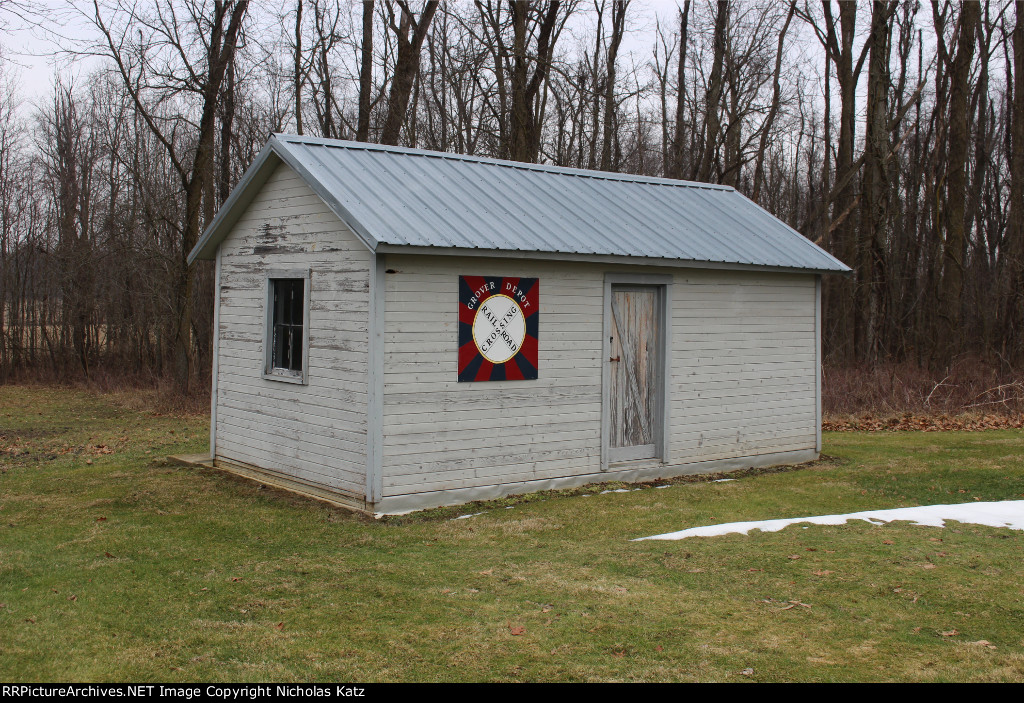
[923,423]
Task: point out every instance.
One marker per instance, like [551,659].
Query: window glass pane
[287,324]
[280,304]
[295,353]
[295,316]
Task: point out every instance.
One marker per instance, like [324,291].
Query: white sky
[32,56]
[35,54]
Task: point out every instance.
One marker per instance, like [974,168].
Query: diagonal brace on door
[629,353]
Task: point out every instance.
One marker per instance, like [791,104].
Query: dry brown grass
[970,389]
[163,399]
[139,392]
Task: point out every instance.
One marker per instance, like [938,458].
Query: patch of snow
[616,490]
[1005,513]
[666,486]
[463,517]
[722,480]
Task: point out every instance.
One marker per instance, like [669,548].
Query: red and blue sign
[498,324]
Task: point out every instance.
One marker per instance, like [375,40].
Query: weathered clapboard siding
[314,433]
[439,433]
[742,350]
[743,365]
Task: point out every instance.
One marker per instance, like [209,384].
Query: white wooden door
[635,378]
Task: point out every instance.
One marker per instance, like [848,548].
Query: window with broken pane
[288,296]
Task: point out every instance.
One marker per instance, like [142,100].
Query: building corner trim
[375,382]
[216,354]
[817,362]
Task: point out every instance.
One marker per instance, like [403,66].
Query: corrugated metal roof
[414,198]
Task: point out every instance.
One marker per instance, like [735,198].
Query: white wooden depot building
[399,329]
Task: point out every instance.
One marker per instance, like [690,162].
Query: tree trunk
[870,261]
[844,197]
[525,127]
[1013,288]
[618,28]
[713,119]
[365,74]
[221,52]
[407,65]
[951,290]
[298,78]
[678,143]
[769,121]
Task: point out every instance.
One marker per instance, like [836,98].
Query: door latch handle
[615,358]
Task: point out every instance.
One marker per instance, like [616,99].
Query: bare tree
[618,29]
[773,111]
[679,138]
[522,64]
[410,34]
[950,292]
[712,115]
[1013,287]
[300,71]
[365,73]
[838,42]
[158,56]
[875,184]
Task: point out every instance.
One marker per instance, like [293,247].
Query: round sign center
[499,328]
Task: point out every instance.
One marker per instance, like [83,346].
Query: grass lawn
[116,565]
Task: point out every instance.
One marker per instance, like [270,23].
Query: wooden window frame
[663,284]
[271,373]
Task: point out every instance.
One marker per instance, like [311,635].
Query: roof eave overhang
[597,258]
